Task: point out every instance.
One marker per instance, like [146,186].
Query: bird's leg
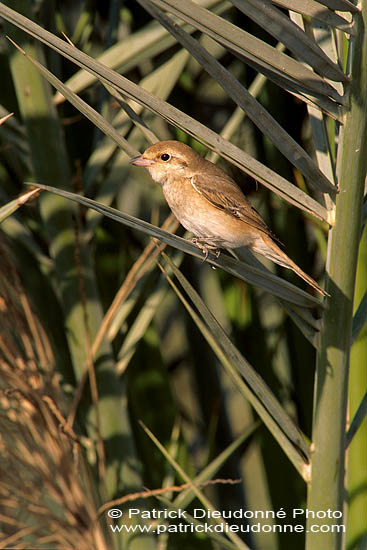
[205,247]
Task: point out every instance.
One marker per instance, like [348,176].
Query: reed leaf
[279,25]
[251,166]
[250,48]
[255,390]
[133,50]
[310,8]
[259,277]
[259,116]
[184,498]
[8,209]
[360,318]
[339,5]
[357,420]
[239,544]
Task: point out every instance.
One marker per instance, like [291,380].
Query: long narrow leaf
[278,67]
[140,325]
[360,318]
[279,25]
[80,104]
[8,209]
[247,45]
[183,499]
[245,378]
[206,503]
[340,5]
[259,277]
[259,116]
[251,166]
[136,48]
[357,421]
[313,9]
[160,82]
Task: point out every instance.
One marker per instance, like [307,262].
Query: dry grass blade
[259,116]
[183,499]
[240,545]
[45,496]
[140,325]
[8,209]
[158,492]
[138,270]
[5,118]
[136,273]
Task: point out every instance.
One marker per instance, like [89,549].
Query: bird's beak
[141,161]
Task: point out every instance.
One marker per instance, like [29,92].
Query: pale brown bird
[209,204]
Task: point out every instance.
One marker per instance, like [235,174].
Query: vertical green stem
[326,491]
[357,457]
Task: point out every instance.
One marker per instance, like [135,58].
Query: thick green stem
[326,490]
[357,457]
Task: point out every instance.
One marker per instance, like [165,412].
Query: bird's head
[167,159]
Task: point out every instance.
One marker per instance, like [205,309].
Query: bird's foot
[205,247]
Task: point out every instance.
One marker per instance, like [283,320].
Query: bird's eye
[165,157]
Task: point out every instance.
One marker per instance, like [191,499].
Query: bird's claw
[205,248]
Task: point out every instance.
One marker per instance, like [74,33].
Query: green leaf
[310,8]
[239,370]
[251,48]
[235,155]
[183,499]
[253,275]
[136,48]
[256,112]
[80,104]
[279,25]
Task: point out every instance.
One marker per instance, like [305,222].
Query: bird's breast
[203,219]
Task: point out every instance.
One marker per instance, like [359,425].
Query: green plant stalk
[326,489]
[357,459]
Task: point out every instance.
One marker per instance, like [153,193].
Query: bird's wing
[223,193]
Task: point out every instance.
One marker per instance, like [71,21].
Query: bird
[210,204]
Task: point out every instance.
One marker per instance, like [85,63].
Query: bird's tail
[270,250]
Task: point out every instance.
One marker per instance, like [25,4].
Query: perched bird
[209,204]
